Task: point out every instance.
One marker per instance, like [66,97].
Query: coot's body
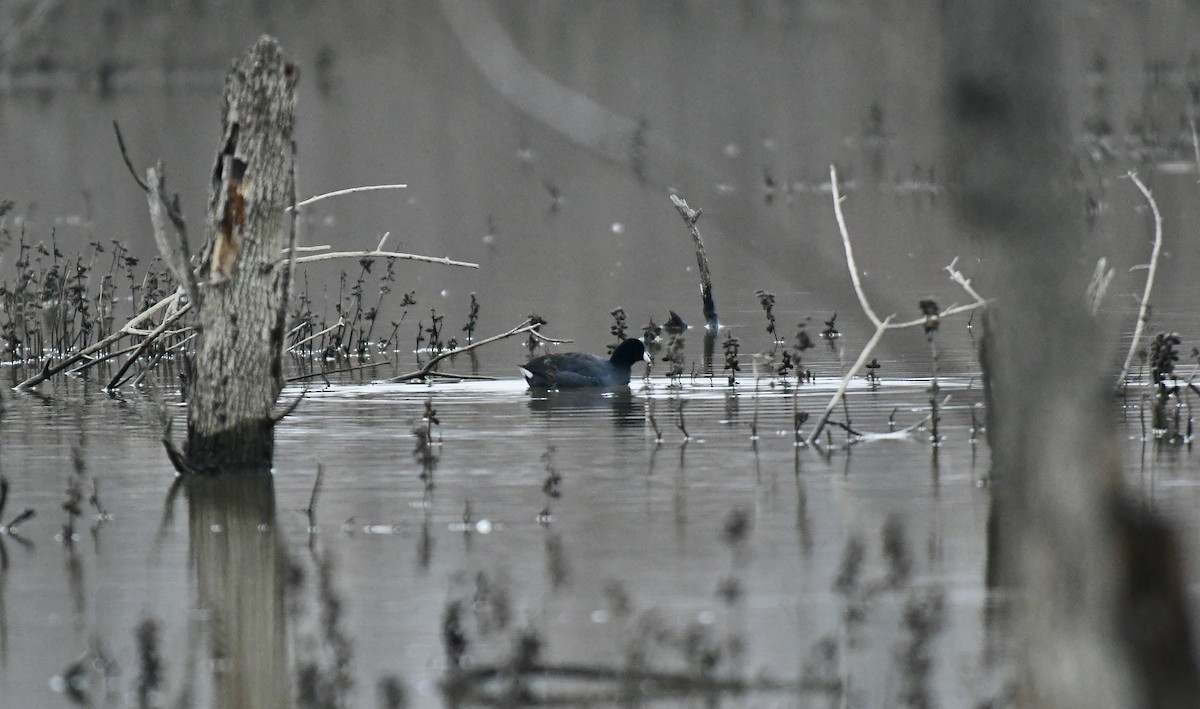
[578,370]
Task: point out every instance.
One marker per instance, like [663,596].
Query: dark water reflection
[555,515]
[856,576]
[239,564]
[625,409]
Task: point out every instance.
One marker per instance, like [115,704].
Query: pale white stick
[841,390]
[841,220]
[350,190]
[445,261]
[1144,308]
[315,335]
[881,326]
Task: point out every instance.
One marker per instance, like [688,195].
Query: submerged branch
[167,322]
[126,330]
[350,190]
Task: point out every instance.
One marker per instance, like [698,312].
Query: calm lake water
[541,140]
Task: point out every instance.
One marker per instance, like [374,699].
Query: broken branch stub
[690,217]
[243,287]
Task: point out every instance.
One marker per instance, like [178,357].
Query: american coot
[575,370]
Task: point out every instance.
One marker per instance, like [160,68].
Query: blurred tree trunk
[1101,610]
[242,282]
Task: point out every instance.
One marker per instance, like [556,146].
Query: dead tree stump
[243,282]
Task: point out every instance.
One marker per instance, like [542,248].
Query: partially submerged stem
[340,323]
[690,217]
[845,383]
[115,382]
[129,328]
[1152,270]
[881,326]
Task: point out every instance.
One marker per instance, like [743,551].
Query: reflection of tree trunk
[1102,613]
[242,283]
[239,565]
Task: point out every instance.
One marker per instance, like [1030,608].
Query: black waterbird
[576,370]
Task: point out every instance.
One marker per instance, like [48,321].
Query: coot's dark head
[629,353]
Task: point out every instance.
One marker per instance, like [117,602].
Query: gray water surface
[636,537]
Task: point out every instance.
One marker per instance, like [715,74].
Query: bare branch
[445,261]
[176,252]
[1144,308]
[850,263]
[527,326]
[350,190]
[845,383]
[881,326]
[125,156]
[129,327]
[340,323]
[115,382]
[960,279]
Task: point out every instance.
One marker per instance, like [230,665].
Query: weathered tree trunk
[1101,603]
[242,282]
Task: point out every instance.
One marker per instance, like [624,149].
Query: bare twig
[163,210]
[1152,270]
[127,329]
[845,383]
[474,684]
[868,436]
[374,253]
[125,156]
[850,262]
[680,423]
[350,190]
[340,323]
[177,457]
[881,326]
[115,382]
[960,279]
